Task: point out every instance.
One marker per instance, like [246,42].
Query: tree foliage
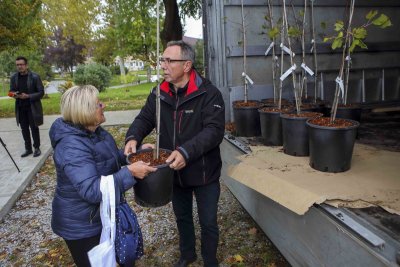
[130,29]
[77,19]
[63,51]
[358,34]
[20,24]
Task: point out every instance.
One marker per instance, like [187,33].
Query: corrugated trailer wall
[224,51]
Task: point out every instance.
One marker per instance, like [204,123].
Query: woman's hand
[140,169]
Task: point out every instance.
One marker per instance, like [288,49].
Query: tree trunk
[172,23]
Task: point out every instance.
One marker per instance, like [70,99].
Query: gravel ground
[27,239]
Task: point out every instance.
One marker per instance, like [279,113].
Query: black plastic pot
[271,128]
[331,149]
[351,113]
[247,121]
[155,190]
[346,112]
[295,135]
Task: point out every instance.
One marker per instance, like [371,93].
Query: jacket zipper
[180,121]
[204,170]
[174,142]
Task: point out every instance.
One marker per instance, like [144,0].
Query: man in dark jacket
[192,126]
[27,88]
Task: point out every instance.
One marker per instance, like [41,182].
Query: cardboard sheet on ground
[374,179]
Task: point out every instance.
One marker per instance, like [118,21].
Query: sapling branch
[244,54]
[314,48]
[293,66]
[272,37]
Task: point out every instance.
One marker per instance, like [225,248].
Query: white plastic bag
[104,253]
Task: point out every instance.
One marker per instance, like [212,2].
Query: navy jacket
[192,121]
[81,158]
[35,91]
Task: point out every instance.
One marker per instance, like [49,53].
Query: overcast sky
[193,28]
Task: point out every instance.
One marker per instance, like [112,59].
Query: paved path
[12,182]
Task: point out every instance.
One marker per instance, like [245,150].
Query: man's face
[174,71]
[22,67]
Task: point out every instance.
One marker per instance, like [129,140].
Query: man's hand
[140,169]
[178,160]
[130,147]
[23,96]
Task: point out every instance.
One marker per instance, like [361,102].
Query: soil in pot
[271,125]
[331,144]
[295,132]
[147,156]
[247,119]
[154,190]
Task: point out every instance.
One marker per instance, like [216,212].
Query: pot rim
[286,116]
[355,125]
[146,150]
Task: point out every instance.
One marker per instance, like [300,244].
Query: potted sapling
[273,32]
[270,121]
[332,139]
[294,130]
[247,119]
[155,189]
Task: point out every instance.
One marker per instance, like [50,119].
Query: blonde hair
[79,104]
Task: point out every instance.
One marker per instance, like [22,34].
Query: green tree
[21,25]
[199,62]
[129,30]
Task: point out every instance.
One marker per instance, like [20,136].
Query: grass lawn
[4,87]
[132,97]
[131,77]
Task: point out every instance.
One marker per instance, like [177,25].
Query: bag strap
[119,194]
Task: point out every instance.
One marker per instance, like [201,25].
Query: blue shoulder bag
[128,237]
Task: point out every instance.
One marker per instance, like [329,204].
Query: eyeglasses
[100,105]
[20,64]
[168,60]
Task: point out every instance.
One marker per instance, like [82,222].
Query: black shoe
[26,153]
[37,152]
[185,262]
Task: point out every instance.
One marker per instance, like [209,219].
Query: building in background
[130,63]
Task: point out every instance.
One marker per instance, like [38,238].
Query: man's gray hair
[187,51]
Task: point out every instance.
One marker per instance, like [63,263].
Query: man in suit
[27,89]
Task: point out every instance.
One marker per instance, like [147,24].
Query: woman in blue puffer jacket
[83,152]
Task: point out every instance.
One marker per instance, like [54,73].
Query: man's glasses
[20,64]
[168,60]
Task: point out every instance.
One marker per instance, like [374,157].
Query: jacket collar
[192,86]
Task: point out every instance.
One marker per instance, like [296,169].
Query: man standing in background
[27,88]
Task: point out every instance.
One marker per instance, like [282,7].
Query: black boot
[37,152]
[26,153]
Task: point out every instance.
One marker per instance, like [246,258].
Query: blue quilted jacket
[81,158]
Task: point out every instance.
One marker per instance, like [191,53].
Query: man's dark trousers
[26,121]
[207,204]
